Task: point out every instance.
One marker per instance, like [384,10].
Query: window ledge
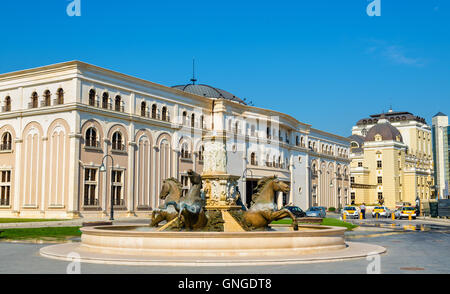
[6,151]
[89,148]
[56,206]
[5,206]
[123,152]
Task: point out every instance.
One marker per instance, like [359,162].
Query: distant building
[441,152]
[392,160]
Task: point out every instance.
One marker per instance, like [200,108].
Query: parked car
[296,211]
[350,212]
[405,212]
[316,212]
[382,211]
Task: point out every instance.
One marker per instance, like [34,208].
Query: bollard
[344,216]
[360,215]
[410,217]
[376,215]
[393,216]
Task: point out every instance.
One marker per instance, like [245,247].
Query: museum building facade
[58,122]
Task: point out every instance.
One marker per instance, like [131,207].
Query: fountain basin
[139,245]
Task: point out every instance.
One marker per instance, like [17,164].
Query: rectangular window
[360,164]
[380,195]
[379,164]
[5,188]
[90,187]
[380,180]
[352,180]
[117,187]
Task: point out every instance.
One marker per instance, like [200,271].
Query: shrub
[331,209]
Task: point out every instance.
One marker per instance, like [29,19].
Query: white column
[131,175]
[308,179]
[44,174]
[154,188]
[279,199]
[291,170]
[105,176]
[17,177]
[73,205]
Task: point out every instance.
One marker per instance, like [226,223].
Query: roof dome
[384,129]
[208,91]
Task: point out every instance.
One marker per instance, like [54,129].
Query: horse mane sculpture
[171,191]
[263,209]
[191,206]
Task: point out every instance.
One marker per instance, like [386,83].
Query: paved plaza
[418,246]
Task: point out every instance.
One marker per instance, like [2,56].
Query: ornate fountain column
[220,188]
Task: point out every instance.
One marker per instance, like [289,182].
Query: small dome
[384,129]
[208,91]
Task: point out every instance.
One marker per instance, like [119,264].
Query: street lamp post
[244,176]
[103,169]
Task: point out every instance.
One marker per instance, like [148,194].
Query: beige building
[391,160]
[59,121]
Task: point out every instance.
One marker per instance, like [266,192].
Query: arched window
[118,103]
[117,142]
[91,138]
[154,109]
[164,114]
[193,120]
[297,141]
[184,118]
[34,100]
[143,108]
[47,98]
[185,151]
[60,96]
[253,159]
[92,97]
[201,153]
[105,100]
[6,141]
[7,104]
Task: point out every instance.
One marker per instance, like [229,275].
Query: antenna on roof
[193,80]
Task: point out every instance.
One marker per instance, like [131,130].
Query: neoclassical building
[392,159]
[58,122]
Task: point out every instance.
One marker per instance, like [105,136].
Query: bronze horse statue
[263,209]
[191,206]
[171,191]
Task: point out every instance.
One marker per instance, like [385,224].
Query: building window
[91,138]
[154,108]
[118,104]
[253,159]
[60,96]
[143,109]
[105,100]
[380,195]
[117,142]
[379,164]
[5,188]
[165,114]
[184,118]
[352,180]
[352,198]
[92,97]
[47,98]
[117,188]
[202,122]
[90,187]
[185,151]
[34,100]
[185,185]
[7,104]
[6,144]
[380,180]
[360,164]
[201,153]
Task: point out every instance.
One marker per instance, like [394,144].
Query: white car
[405,212]
[382,211]
[350,212]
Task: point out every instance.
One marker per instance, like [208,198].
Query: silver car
[316,212]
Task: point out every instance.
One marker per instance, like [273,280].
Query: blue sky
[325,62]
